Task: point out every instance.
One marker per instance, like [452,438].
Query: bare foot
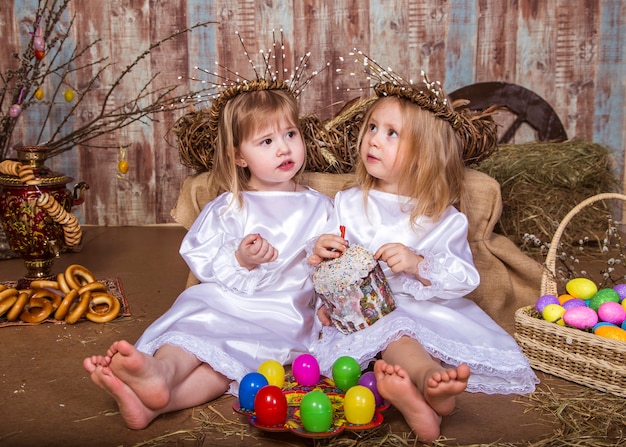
[395,386]
[443,386]
[141,372]
[135,414]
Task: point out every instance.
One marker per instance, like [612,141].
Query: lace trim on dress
[233,276]
[431,268]
[510,375]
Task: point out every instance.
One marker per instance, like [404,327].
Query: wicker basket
[571,354]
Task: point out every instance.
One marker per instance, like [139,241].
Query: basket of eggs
[579,334]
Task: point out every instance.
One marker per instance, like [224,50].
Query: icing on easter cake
[354,289]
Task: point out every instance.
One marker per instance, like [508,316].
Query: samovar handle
[79,190]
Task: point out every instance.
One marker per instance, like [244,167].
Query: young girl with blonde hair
[436,343]
[247,248]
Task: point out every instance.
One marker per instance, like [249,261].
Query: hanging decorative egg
[68,95]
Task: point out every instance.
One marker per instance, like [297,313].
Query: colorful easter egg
[368,380]
[554,314]
[621,290]
[273,371]
[270,406]
[603,296]
[346,372]
[574,302]
[316,412]
[544,300]
[613,332]
[249,386]
[612,312]
[359,405]
[306,370]
[582,288]
[581,317]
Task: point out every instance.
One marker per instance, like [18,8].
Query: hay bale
[541,182]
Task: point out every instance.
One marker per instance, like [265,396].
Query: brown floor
[48,399]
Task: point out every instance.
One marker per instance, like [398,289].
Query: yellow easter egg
[39,94]
[273,371]
[614,332]
[68,95]
[582,288]
[554,314]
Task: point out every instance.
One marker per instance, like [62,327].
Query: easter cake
[354,289]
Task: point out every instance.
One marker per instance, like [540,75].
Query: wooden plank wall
[570,52]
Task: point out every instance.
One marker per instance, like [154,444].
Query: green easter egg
[603,296]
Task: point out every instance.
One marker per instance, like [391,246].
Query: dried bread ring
[18,307]
[79,310]
[10,167]
[7,292]
[63,287]
[30,315]
[95,286]
[44,284]
[77,276]
[7,303]
[65,305]
[49,295]
[103,316]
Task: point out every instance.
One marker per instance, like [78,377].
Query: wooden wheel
[524,104]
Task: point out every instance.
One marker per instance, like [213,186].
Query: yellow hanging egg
[39,94]
[122,165]
[68,95]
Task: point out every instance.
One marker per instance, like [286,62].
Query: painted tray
[294,393]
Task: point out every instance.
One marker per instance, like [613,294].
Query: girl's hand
[327,246]
[400,259]
[324,315]
[254,250]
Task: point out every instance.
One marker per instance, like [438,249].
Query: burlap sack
[509,278]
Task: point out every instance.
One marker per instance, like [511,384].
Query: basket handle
[548,284]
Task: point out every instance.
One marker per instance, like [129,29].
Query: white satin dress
[449,326]
[235,319]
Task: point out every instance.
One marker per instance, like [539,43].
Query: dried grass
[541,182]
[582,417]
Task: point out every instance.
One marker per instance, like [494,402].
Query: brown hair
[432,169]
[241,117]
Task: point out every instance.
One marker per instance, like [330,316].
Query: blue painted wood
[610,99]
[461,44]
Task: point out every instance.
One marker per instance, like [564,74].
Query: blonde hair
[432,168]
[241,117]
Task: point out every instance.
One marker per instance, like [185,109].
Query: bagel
[7,303]
[7,292]
[18,307]
[44,284]
[30,315]
[65,305]
[77,276]
[63,287]
[79,310]
[49,295]
[95,286]
[95,314]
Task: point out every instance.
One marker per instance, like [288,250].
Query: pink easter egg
[581,317]
[612,312]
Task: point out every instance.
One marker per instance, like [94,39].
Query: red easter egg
[270,406]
